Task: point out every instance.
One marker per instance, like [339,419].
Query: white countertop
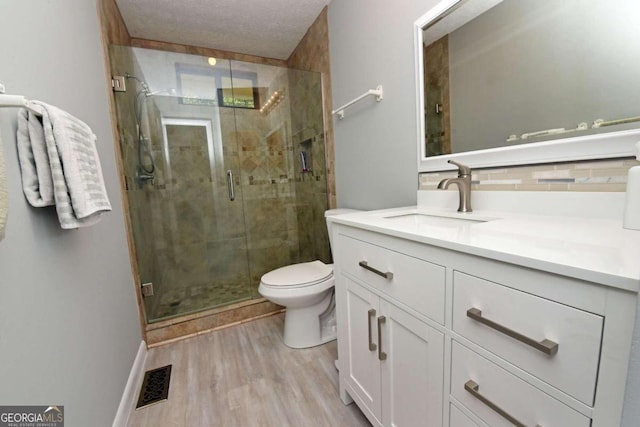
[592,249]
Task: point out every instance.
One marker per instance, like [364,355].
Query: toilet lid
[297,275]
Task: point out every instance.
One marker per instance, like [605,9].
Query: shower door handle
[232,194]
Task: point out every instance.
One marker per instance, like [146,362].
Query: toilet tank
[334,212]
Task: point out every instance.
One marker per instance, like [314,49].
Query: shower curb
[183,329]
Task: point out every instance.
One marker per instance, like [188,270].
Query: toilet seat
[298,275]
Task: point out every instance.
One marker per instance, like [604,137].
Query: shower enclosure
[225,174]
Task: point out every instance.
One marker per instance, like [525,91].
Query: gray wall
[371,43]
[69,328]
[528,65]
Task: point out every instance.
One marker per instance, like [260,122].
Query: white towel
[4,197]
[60,165]
[37,183]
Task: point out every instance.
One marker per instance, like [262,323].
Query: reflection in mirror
[527,71]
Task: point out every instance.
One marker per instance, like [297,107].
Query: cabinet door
[363,366]
[458,419]
[412,374]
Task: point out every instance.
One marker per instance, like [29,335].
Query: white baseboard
[128,396]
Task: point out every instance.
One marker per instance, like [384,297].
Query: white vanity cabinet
[394,368]
[430,336]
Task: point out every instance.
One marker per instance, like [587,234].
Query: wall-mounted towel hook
[377,92]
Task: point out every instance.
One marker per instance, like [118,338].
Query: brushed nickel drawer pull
[371,313]
[388,275]
[546,346]
[473,387]
[381,354]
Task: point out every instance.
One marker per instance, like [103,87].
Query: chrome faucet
[464,185]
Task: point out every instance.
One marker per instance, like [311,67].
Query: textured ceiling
[269,28]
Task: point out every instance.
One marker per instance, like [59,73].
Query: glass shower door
[202,262]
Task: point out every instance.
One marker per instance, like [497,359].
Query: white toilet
[306,291]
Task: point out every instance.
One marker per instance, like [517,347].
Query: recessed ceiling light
[212,61]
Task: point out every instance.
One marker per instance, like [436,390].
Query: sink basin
[437,220]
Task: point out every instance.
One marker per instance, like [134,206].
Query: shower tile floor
[181,301]
[245,376]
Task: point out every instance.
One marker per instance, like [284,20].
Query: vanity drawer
[478,384]
[497,318]
[417,283]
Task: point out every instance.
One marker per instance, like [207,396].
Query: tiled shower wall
[597,175]
[308,136]
[312,54]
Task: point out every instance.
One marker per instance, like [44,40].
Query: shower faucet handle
[142,178]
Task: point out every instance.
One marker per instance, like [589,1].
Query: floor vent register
[155,387]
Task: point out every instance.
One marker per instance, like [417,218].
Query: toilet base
[310,326]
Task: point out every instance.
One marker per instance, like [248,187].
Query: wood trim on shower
[114,31]
[205,51]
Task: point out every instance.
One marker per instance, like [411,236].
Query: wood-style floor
[245,376]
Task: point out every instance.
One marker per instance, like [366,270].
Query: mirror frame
[588,147]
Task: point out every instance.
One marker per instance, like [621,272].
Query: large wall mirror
[504,82]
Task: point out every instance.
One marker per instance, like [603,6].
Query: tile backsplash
[598,175]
